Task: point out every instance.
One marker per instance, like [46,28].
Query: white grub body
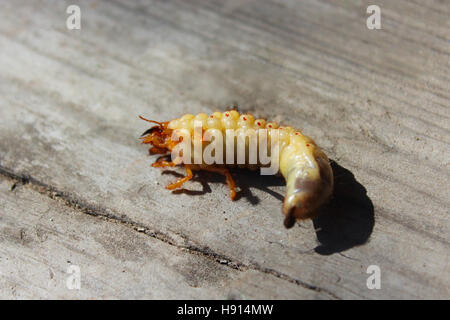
[305,167]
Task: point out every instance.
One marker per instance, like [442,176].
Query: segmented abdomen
[306,168]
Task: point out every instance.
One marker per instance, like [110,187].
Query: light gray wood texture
[76,185]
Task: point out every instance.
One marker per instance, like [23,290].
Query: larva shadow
[245,181]
[197,178]
[348,219]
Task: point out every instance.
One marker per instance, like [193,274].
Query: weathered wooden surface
[376,100]
[115,261]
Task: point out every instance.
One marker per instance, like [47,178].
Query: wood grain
[116,261]
[377,101]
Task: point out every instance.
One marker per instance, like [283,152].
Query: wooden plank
[116,261]
[377,101]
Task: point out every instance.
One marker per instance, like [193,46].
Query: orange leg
[180,182]
[161,163]
[228,177]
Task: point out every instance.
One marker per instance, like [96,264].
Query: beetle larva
[305,167]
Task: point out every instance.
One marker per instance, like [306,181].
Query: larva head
[158,136]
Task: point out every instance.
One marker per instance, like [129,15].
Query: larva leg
[160,163]
[229,178]
[181,181]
